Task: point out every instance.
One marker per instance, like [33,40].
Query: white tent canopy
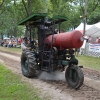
[91,30]
[94,31]
[81,26]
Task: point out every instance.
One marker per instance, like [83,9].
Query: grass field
[12,88]
[89,62]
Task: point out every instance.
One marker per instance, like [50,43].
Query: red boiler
[67,40]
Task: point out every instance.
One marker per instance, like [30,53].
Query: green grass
[89,62]
[12,88]
[17,50]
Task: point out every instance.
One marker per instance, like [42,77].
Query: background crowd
[11,42]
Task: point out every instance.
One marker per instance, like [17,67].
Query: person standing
[24,44]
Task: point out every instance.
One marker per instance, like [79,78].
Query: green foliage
[94,16]
[93,7]
[74,17]
[13,11]
[9,18]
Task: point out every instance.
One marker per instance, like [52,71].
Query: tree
[94,15]
[92,10]
[1,4]
[9,18]
[13,11]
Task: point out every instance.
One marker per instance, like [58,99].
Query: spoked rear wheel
[74,76]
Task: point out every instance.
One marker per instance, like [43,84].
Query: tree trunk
[25,7]
[29,7]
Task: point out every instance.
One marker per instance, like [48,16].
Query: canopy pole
[85,15]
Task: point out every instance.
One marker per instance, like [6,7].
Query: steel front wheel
[74,76]
[27,64]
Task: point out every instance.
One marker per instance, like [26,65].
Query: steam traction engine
[55,50]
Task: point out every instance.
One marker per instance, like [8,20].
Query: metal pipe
[85,15]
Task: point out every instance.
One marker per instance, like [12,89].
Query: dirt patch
[91,73]
[12,53]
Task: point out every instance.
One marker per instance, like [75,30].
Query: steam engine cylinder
[66,40]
